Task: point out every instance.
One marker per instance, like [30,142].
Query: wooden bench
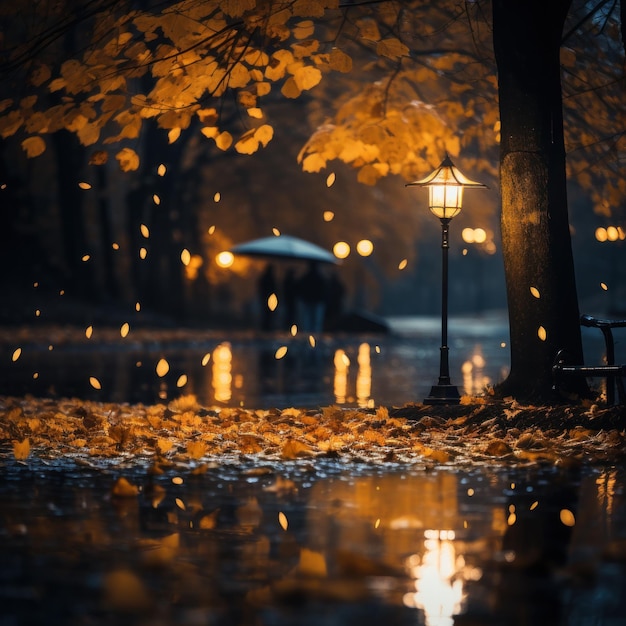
[614,374]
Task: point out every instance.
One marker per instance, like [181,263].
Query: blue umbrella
[285,247]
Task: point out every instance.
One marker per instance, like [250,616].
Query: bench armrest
[594,322]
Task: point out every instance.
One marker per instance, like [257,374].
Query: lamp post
[445,198]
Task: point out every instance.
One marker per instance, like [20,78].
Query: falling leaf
[541,333]
[156,199]
[276,231]
[272,302]
[89,332]
[85,258]
[280,353]
[125,329]
[567,517]
[216,198]
[84,185]
[535,292]
[94,382]
[185,256]
[162,368]
[16,354]
[145,231]
[604,286]
[21,449]
[182,380]
[283,521]
[330,179]
[402,265]
[180,504]
[161,170]
[143,253]
[173,135]
[205,359]
[312,341]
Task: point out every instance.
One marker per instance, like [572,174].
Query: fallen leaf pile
[182,431]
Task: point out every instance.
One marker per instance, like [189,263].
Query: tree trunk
[538,261]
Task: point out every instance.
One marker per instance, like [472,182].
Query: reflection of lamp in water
[222,378]
[439,575]
[474,379]
[364,376]
[342,363]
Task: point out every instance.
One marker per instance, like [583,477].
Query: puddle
[265,371]
[296,544]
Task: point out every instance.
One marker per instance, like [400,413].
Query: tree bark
[536,242]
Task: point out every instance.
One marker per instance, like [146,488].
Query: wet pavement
[268,370]
[244,542]
[293,543]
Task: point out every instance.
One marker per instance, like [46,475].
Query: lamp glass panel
[445,200]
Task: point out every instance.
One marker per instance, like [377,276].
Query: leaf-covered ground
[183,432]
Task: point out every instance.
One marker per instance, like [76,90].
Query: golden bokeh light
[341,250]
[225,259]
[365,247]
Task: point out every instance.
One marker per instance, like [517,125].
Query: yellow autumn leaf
[392,48]
[294,449]
[173,135]
[128,159]
[290,89]
[163,446]
[307,77]
[313,163]
[34,146]
[340,61]
[210,132]
[21,449]
[196,449]
[224,140]
[263,134]
[255,112]
[303,29]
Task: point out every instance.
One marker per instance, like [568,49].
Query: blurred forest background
[81,239]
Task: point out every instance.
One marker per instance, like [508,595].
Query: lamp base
[443,394]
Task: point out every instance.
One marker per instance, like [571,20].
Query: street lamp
[445,198]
